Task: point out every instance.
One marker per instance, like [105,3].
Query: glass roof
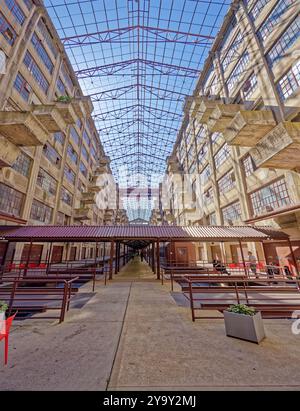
[138,60]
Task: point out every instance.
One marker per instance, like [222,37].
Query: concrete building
[53,169]
[237,155]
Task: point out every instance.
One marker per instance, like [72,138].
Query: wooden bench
[275,300]
[33,295]
[177,273]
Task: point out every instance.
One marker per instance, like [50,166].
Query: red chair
[4,334]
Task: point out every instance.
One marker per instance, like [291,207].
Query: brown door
[35,253]
[73,254]
[182,255]
[57,254]
[3,248]
[83,253]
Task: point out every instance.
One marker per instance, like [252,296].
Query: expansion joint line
[119,339]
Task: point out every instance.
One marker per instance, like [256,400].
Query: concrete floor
[131,335]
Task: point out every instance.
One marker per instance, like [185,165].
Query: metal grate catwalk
[138,60]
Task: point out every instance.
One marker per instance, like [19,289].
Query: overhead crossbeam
[126,35]
[121,112]
[158,68]
[118,92]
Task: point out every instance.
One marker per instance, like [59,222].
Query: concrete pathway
[132,336]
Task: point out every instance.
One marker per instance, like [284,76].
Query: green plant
[242,309]
[64,99]
[3,307]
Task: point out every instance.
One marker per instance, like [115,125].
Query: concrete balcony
[83,106]
[51,118]
[83,214]
[194,107]
[104,161]
[222,116]
[95,185]
[22,128]
[206,107]
[248,127]
[67,112]
[280,148]
[100,170]
[89,197]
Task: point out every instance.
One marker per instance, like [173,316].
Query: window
[66,196]
[28,4]
[73,156]
[79,123]
[238,71]
[248,165]
[81,186]
[74,135]
[22,164]
[270,197]
[22,87]
[274,18]
[93,152]
[83,169]
[215,137]
[86,138]
[48,37]
[69,174]
[60,218]
[191,154]
[287,39]
[205,175]
[259,5]
[227,182]
[222,155]
[249,86]
[46,182]
[213,219]
[59,137]
[36,72]
[231,54]
[40,49]
[200,135]
[208,196]
[290,82]
[16,11]
[41,212]
[61,87]
[67,77]
[11,201]
[84,153]
[232,212]
[192,168]
[7,31]
[51,154]
[202,154]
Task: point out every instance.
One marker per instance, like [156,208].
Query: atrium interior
[149,182]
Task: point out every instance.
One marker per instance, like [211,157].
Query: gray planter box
[245,327]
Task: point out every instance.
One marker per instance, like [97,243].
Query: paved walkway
[132,335]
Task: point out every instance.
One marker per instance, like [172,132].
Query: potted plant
[64,99]
[244,322]
[3,308]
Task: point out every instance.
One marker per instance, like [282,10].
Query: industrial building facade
[237,155]
[53,169]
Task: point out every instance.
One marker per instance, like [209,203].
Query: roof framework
[138,60]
